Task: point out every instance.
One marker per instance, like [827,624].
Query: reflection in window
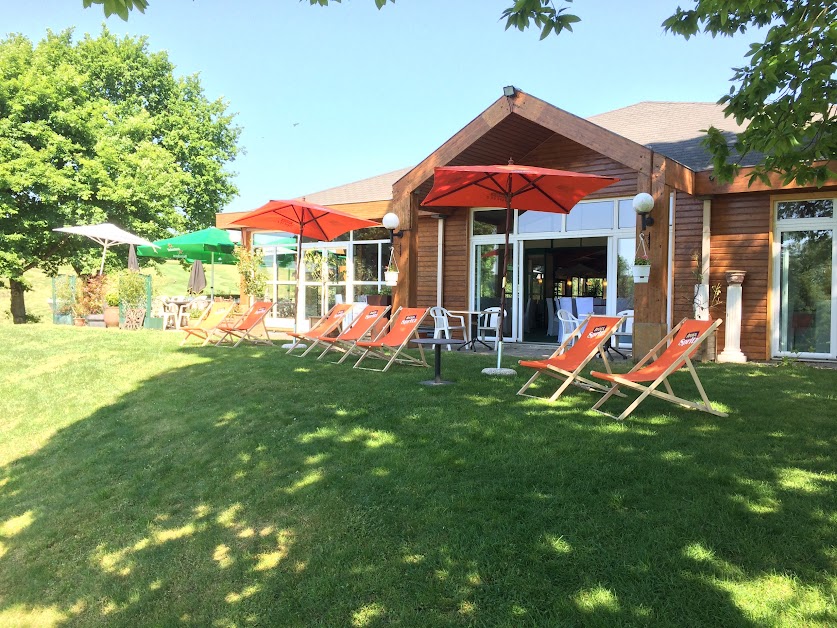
[490,222]
[821,208]
[627,215]
[367,262]
[537,222]
[624,274]
[587,216]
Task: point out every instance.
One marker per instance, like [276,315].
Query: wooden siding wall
[688,240]
[741,241]
[455,278]
[563,154]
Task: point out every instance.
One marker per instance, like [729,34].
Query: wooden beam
[679,177]
[406,251]
[705,183]
[584,132]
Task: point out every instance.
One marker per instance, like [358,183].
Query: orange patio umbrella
[511,186]
[303,219]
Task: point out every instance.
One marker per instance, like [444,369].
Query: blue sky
[331,95]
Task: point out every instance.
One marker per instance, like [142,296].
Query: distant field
[168,279]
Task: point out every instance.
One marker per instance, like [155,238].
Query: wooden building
[783,237]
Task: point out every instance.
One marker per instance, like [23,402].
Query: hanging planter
[391,273]
[642,265]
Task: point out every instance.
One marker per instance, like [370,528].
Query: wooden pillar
[651,299]
[405,292]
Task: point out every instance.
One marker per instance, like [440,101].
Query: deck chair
[208,321]
[362,328]
[685,338]
[326,325]
[244,327]
[571,358]
[391,342]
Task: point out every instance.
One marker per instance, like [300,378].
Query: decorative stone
[501,372]
[735,276]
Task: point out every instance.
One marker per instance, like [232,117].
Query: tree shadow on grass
[260,489]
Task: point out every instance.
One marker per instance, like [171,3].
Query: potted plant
[93,293]
[132,298]
[111,310]
[79,307]
[250,265]
[642,268]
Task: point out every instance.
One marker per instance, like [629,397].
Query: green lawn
[144,484]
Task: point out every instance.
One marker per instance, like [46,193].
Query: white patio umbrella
[107,235]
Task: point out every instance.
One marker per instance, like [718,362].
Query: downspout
[440,258]
[705,249]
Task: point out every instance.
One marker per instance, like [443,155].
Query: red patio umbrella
[511,186]
[303,219]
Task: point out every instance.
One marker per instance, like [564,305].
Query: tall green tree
[786,90]
[101,130]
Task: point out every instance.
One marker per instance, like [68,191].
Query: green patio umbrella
[207,245]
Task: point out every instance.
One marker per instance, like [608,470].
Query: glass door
[488,278]
[805,277]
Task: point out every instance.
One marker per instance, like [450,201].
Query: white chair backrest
[565,303]
[568,322]
[628,326]
[440,317]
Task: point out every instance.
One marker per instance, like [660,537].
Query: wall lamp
[391,222]
[643,204]
[509,91]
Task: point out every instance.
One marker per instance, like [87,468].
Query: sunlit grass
[143,484]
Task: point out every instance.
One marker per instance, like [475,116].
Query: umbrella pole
[296,285]
[212,277]
[503,285]
[104,252]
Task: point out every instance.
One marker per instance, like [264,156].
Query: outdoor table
[472,341]
[437,344]
[178,308]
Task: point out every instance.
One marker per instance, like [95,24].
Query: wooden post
[651,299]
[405,292]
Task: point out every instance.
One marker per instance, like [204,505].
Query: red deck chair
[326,325]
[567,363]
[687,336]
[363,326]
[244,326]
[389,345]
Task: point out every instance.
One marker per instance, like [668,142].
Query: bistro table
[473,337]
[437,343]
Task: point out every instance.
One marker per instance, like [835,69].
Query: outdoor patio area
[147,484]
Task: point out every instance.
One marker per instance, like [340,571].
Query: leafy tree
[786,90]
[98,131]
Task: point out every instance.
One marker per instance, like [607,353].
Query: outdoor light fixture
[391,222]
[509,91]
[643,204]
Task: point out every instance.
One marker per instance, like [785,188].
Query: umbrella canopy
[197,278]
[107,235]
[511,186]
[196,245]
[303,219]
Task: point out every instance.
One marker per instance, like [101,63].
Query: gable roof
[377,188]
[673,129]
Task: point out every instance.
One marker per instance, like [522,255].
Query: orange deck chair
[363,326]
[326,325]
[209,320]
[390,344]
[244,326]
[567,363]
[685,338]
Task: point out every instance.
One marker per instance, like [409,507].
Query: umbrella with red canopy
[511,186]
[304,219]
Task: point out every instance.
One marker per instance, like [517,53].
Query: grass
[143,484]
[169,278]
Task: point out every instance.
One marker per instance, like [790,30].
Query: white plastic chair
[160,309]
[583,307]
[442,324]
[569,324]
[624,337]
[487,324]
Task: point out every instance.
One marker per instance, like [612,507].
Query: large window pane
[284,301]
[805,275]
[313,265]
[488,279]
[821,208]
[370,233]
[627,215]
[367,262]
[313,301]
[626,249]
[490,222]
[337,262]
[587,216]
[538,222]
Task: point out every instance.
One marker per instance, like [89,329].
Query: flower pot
[391,277]
[112,316]
[641,274]
[96,320]
[79,321]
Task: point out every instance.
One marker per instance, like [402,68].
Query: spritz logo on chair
[689,339]
[598,331]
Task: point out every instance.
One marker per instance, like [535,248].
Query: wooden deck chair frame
[393,353]
[363,326]
[570,347]
[219,310]
[683,360]
[252,318]
[326,325]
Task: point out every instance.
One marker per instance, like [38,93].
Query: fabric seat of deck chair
[686,338]
[568,362]
[391,342]
[243,327]
[363,325]
[209,320]
[326,325]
